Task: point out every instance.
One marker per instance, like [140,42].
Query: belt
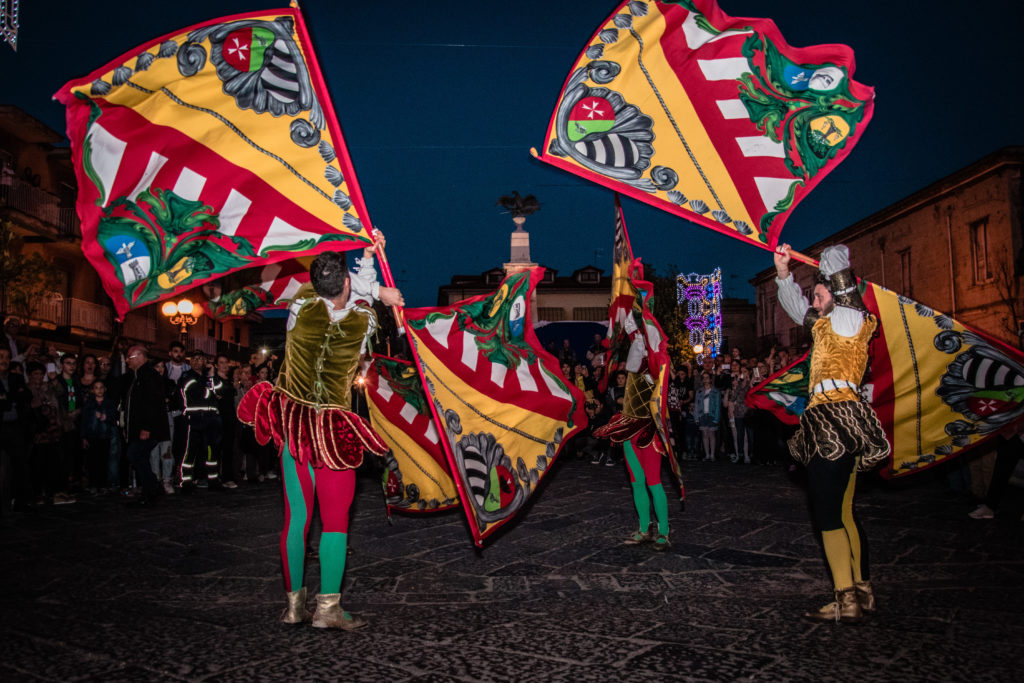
[833,385]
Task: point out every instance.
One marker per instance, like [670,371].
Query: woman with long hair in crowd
[708,412]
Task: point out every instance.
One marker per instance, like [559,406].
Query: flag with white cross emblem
[713,118]
[210,150]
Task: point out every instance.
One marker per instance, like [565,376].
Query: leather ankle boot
[329,614]
[845,608]
[640,537]
[296,612]
[865,596]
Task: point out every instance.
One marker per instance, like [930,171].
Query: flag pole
[803,258]
[389,280]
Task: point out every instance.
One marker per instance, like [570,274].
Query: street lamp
[183,313]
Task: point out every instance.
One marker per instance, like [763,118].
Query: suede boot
[329,614]
[865,596]
[845,608]
[296,612]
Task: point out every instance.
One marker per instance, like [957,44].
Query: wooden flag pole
[389,280]
[804,258]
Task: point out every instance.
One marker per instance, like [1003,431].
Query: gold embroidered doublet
[838,357]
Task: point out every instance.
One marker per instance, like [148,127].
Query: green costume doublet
[321,356]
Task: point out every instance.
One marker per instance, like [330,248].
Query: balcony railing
[140,327]
[40,204]
[90,317]
[52,311]
[202,342]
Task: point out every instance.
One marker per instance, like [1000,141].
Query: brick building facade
[955,246]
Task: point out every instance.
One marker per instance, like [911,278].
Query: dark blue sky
[441,101]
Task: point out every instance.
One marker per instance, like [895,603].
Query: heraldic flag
[207,151]
[255,289]
[633,299]
[938,388]
[709,117]
[503,407]
[416,475]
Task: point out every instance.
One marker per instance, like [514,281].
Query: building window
[549,277]
[551,313]
[495,277]
[906,284]
[979,252]
[589,277]
[590,313]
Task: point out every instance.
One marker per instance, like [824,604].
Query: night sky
[441,101]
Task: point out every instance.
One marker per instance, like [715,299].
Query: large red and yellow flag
[709,117]
[623,297]
[503,407]
[416,477]
[255,289]
[209,150]
[938,387]
[633,300]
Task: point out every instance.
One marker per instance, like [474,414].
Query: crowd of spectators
[74,426]
[132,424]
[709,418]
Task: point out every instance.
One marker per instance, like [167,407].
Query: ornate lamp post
[182,313]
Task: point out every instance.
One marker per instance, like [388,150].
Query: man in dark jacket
[145,419]
[231,466]
[201,392]
[14,413]
[70,399]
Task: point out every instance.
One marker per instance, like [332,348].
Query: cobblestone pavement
[190,590]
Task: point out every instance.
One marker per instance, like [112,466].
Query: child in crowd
[99,437]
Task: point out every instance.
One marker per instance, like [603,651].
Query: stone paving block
[698,663]
[24,657]
[560,645]
[649,583]
[599,674]
[447,581]
[326,664]
[672,562]
[698,583]
[466,662]
[748,559]
[957,664]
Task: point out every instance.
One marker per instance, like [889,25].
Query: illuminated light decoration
[702,295]
[9,22]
